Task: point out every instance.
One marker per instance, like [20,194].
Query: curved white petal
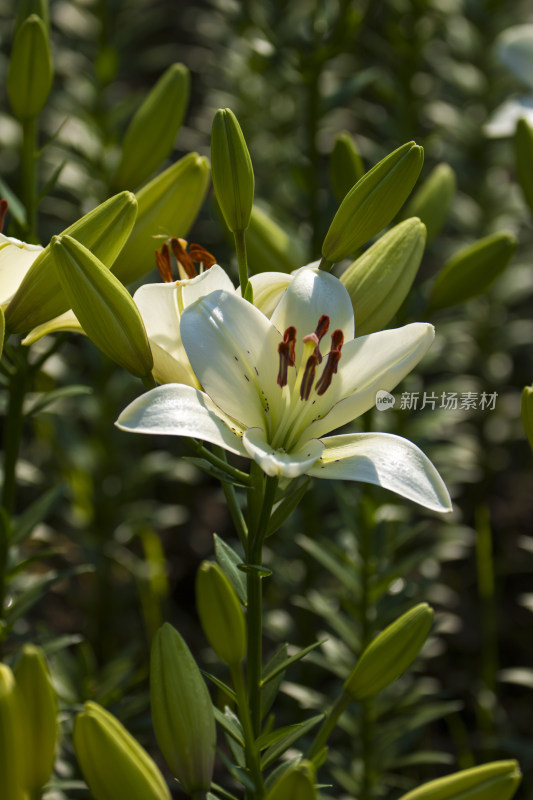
[64,322]
[176,410]
[311,294]
[16,258]
[279,462]
[268,289]
[377,361]
[211,280]
[169,369]
[385,460]
[233,350]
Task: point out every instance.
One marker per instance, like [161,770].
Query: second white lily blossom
[270,394]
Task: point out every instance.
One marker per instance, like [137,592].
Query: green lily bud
[268,247]
[233,175]
[168,206]
[39,714]
[153,129]
[472,270]
[104,308]
[495,781]
[374,200]
[524,159]
[345,165]
[220,613]
[391,653]
[527,413]
[432,202]
[30,73]
[380,280]
[297,783]
[12,745]
[113,763]
[182,712]
[103,231]
[26,8]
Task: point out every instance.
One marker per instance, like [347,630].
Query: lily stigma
[270,389]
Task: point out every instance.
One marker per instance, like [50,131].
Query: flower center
[311,358]
[185,261]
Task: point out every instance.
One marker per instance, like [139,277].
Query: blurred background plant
[296,75]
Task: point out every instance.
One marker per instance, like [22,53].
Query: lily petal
[268,289]
[384,460]
[64,322]
[278,462]
[377,361]
[233,350]
[311,294]
[177,410]
[16,258]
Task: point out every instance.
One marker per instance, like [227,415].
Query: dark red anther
[287,355]
[201,256]
[321,330]
[337,340]
[3,211]
[162,258]
[183,257]
[309,375]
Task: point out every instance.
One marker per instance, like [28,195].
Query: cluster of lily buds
[28,726]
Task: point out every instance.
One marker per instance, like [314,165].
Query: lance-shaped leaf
[345,165]
[524,159]
[297,783]
[103,306]
[379,281]
[372,203]
[39,717]
[40,296]
[233,175]
[390,653]
[527,413]
[182,711]
[498,780]
[472,270]
[113,763]
[11,738]
[168,206]
[432,202]
[152,131]
[30,74]
[220,613]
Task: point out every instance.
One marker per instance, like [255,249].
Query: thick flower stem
[28,176]
[240,249]
[251,753]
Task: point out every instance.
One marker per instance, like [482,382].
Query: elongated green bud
[220,613]
[182,711]
[25,8]
[168,206]
[345,165]
[527,413]
[432,202]
[498,780]
[233,175]
[297,783]
[103,231]
[103,306]
[39,715]
[524,159]
[113,763]
[11,738]
[380,280]
[30,73]
[268,247]
[472,270]
[391,653]
[153,129]
[372,203]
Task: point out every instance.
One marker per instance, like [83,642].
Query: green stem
[330,721]
[236,512]
[12,436]
[240,248]
[28,173]
[251,753]
[325,265]
[232,472]
[149,381]
[368,778]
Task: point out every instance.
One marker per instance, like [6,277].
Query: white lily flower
[268,394]
[16,258]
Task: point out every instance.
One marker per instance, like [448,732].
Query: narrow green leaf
[347,575]
[43,400]
[36,513]
[295,733]
[216,472]
[229,561]
[230,725]
[296,657]
[270,690]
[287,506]
[227,690]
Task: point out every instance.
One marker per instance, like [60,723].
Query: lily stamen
[309,374]
[164,266]
[337,340]
[287,356]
